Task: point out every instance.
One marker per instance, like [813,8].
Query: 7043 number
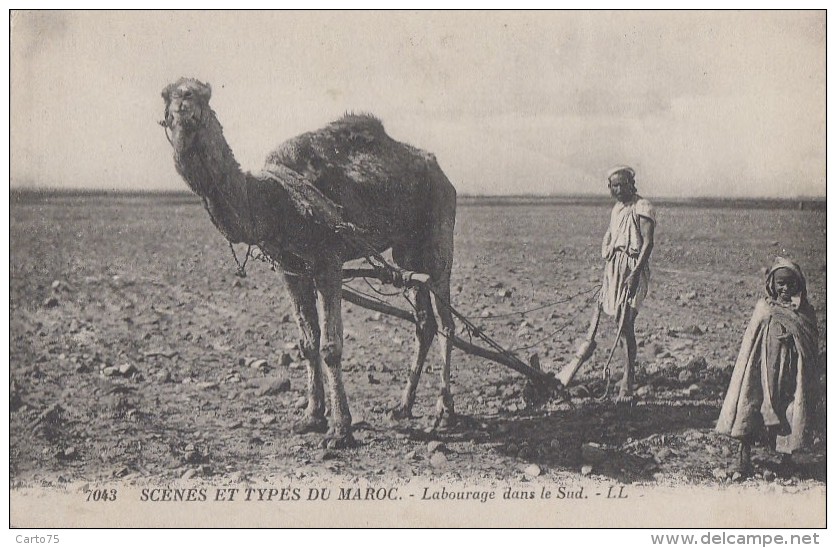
[101,494]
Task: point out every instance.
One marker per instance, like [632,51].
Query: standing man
[626,249]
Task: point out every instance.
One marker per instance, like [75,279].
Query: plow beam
[403,278]
[540,379]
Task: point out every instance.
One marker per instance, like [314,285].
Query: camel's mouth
[182,126]
[189,122]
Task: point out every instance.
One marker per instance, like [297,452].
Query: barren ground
[134,350]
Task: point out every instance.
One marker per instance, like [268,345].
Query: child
[771,393]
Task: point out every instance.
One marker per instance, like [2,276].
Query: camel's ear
[167,93]
[205,91]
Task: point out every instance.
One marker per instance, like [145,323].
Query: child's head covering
[782,263]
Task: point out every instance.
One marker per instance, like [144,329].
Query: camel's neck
[211,171]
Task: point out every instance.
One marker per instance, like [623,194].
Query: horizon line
[186,192]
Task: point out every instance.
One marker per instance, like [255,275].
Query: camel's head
[186,101]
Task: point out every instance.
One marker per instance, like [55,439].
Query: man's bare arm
[646,226]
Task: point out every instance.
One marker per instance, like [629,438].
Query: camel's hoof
[308,425]
[740,472]
[345,441]
[401,412]
[445,421]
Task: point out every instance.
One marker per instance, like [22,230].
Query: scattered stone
[164,376]
[51,302]
[160,352]
[503,293]
[68,453]
[686,376]
[193,457]
[768,475]
[720,474]
[326,454]
[189,474]
[121,472]
[693,390]
[644,391]
[532,471]
[697,364]
[662,455]
[127,369]
[238,477]
[268,419]
[270,386]
[110,371]
[438,460]
[434,446]
[593,453]
[258,364]
[208,385]
[586,470]
[693,330]
[301,402]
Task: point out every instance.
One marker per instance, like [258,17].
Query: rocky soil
[137,354]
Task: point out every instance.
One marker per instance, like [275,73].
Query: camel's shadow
[571,438]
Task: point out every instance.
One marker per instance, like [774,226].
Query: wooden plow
[542,386]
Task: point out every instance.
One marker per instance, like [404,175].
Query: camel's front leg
[329,288]
[303,297]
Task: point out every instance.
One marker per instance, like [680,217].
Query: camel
[395,194]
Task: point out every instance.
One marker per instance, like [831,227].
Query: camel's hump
[366,125]
[332,143]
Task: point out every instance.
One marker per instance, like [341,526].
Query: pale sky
[700,103]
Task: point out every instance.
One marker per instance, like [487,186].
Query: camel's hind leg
[303,297]
[445,411]
[425,328]
[329,290]
[439,259]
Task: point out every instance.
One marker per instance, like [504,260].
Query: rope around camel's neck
[212,172]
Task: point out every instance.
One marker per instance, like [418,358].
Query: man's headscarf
[618,169]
